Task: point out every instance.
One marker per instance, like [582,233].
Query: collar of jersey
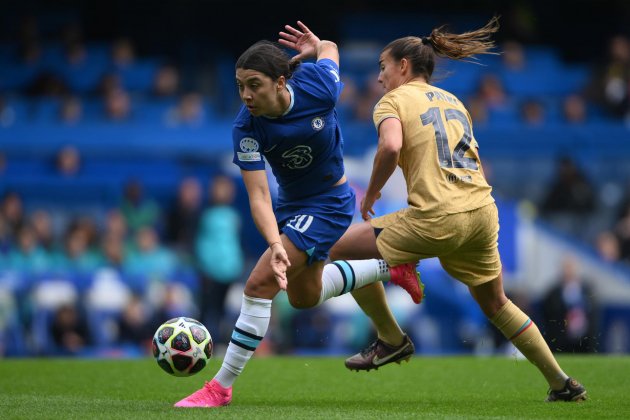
[292,95]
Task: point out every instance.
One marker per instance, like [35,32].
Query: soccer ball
[182,346]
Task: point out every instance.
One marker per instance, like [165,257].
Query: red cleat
[407,277]
[211,395]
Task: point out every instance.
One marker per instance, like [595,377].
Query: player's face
[390,75]
[258,92]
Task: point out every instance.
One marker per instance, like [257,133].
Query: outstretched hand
[301,40]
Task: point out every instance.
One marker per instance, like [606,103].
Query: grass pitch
[311,388]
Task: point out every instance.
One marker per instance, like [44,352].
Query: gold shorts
[465,243]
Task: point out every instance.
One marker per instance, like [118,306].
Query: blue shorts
[314,224]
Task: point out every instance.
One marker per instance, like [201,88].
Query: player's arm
[390,140]
[262,212]
[307,44]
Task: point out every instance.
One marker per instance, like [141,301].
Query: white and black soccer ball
[182,346]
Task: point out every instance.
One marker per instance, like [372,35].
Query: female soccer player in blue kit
[288,116]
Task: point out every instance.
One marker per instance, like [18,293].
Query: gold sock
[525,335]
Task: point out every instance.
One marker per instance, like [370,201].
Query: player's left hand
[279,264]
[301,40]
[367,204]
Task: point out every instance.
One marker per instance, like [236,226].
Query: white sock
[249,331]
[342,276]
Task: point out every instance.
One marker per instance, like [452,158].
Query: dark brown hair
[421,52]
[269,59]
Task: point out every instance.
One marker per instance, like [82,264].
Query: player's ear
[281,83]
[404,65]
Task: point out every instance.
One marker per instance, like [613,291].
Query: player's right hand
[279,264]
[301,40]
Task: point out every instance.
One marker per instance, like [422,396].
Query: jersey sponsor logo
[454,179]
[248,157]
[301,222]
[317,123]
[249,145]
[297,157]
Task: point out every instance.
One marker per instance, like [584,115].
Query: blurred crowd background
[120,208]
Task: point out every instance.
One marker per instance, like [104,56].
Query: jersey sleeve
[324,79]
[385,108]
[247,149]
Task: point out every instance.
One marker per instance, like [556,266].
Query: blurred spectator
[166,82]
[570,201]
[368,98]
[123,53]
[68,162]
[28,257]
[12,211]
[349,98]
[6,239]
[574,109]
[7,113]
[87,225]
[622,230]
[570,312]
[47,84]
[3,162]
[117,105]
[492,92]
[71,110]
[570,192]
[115,224]
[149,258]
[30,53]
[513,56]
[41,222]
[183,217]
[69,331]
[113,251]
[219,252]
[533,113]
[110,82]
[188,111]
[136,325]
[477,110]
[607,246]
[137,209]
[611,86]
[77,256]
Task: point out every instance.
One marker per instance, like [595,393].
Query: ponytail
[468,44]
[421,52]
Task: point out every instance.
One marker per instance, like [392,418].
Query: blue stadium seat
[139,75]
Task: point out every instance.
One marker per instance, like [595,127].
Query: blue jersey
[304,147]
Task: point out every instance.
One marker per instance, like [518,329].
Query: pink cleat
[407,277]
[211,395]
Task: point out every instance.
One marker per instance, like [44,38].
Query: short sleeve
[247,149]
[329,72]
[385,108]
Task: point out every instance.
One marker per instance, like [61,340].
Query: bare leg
[359,242]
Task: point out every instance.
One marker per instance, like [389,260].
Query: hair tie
[426,40]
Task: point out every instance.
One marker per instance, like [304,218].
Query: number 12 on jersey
[457,158]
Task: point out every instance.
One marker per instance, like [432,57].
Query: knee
[303,302]
[259,288]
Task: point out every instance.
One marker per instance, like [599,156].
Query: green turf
[293,388]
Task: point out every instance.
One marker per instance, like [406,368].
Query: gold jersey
[439,156]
